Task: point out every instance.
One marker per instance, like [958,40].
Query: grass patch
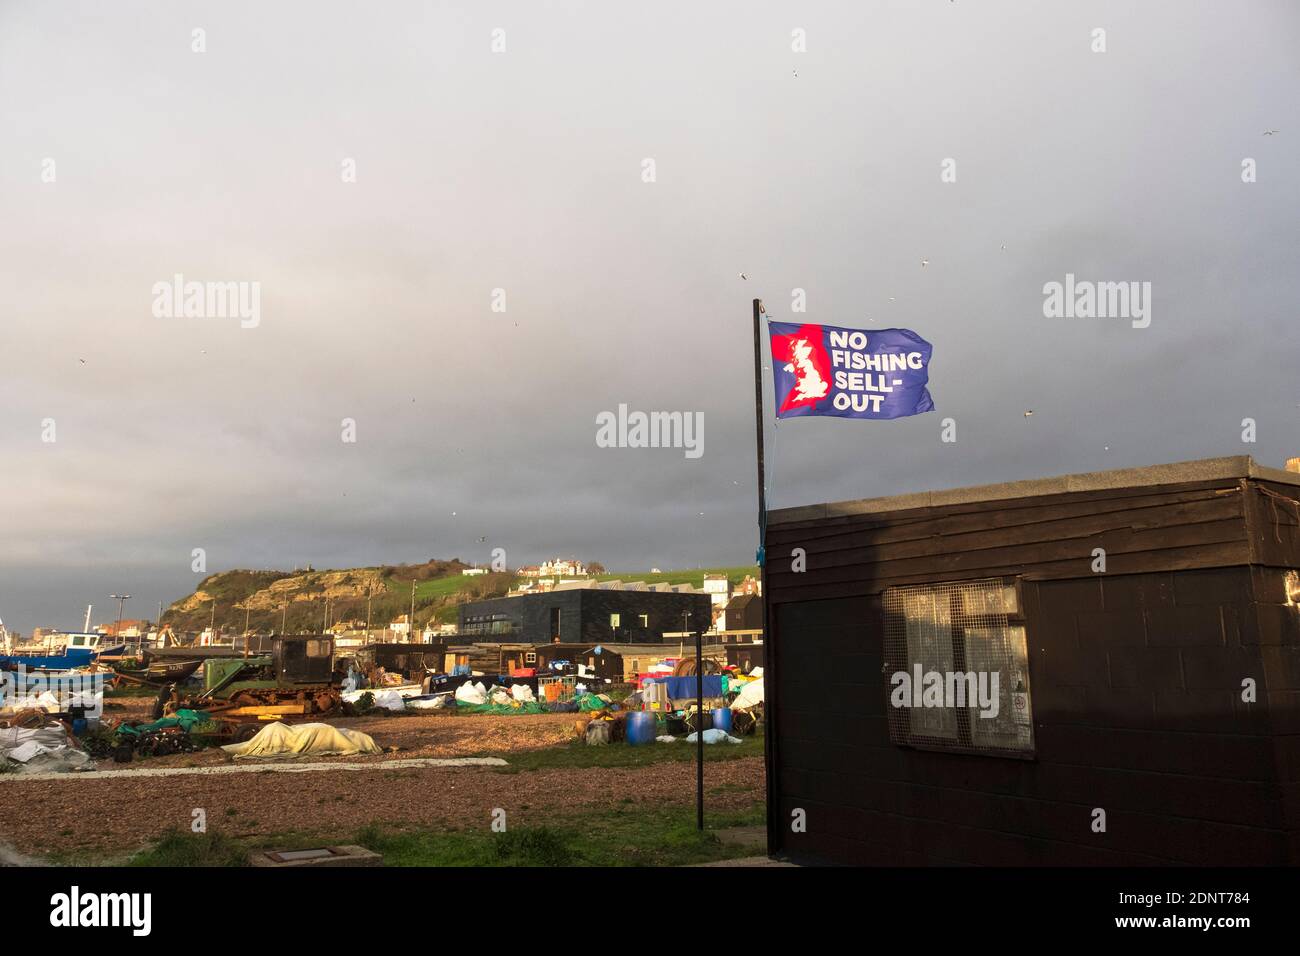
[728,788]
[619,836]
[695,577]
[627,833]
[577,754]
[178,848]
[533,846]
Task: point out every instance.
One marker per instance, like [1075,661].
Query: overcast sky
[523,170]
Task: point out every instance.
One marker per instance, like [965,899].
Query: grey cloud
[522,171]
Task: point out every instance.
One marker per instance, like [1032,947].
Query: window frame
[898,656]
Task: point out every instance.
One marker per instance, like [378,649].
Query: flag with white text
[849,373]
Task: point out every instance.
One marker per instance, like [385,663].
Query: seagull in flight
[924,263]
[1271,132]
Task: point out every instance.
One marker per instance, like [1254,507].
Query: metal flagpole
[758,422]
[769,649]
[699,729]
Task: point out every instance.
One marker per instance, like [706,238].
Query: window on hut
[958,668]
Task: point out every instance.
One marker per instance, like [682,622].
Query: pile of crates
[553,690]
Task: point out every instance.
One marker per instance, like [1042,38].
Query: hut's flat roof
[1204,469]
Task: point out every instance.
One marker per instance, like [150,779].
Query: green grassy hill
[298,601]
[695,577]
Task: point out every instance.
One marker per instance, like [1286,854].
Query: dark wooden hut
[1145,627]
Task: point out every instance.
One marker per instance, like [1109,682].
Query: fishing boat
[59,651]
[161,671]
[101,645]
[66,661]
[65,652]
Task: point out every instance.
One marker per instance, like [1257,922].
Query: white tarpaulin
[304,740]
[750,695]
[50,736]
[29,750]
[436,702]
[51,704]
[715,737]
[471,693]
[387,699]
[41,749]
[522,693]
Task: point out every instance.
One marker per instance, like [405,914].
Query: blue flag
[849,373]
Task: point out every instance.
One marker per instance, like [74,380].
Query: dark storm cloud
[522,171]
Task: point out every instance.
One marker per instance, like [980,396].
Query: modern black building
[585,615]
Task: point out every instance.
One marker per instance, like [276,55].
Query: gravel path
[253,766]
[110,816]
[108,813]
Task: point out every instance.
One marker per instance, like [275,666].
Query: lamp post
[120,599]
[369,593]
[699,721]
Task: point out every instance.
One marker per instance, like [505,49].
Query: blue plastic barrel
[722,719]
[640,727]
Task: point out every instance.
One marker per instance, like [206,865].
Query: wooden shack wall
[1135,676]
[1273,520]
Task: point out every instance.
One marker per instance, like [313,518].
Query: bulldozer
[296,680]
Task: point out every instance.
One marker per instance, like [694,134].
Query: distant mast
[85,628]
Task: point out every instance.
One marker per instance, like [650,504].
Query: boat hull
[69,660]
